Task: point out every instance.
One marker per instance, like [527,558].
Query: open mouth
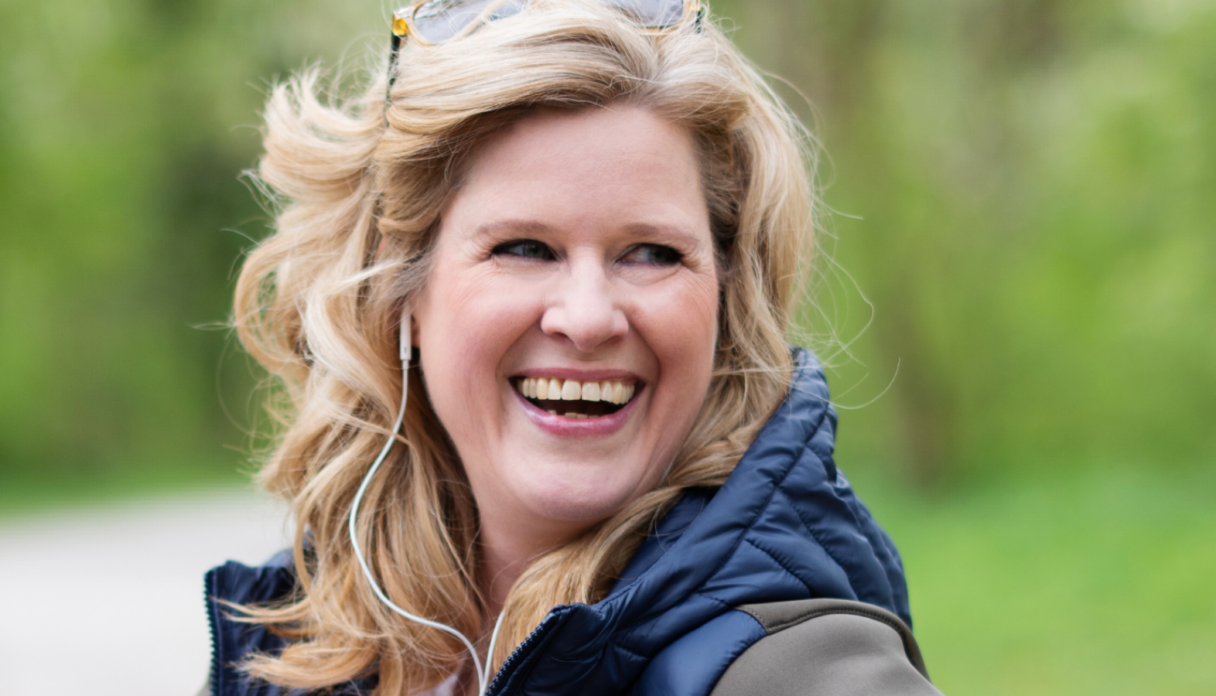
[573,399]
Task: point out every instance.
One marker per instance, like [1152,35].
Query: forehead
[622,160]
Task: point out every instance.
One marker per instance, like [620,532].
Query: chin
[578,503]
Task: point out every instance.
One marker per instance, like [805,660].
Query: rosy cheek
[682,331]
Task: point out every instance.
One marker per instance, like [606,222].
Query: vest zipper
[518,654]
[213,677]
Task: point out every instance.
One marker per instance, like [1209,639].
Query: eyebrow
[670,234]
[511,226]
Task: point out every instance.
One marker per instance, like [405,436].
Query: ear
[413,330]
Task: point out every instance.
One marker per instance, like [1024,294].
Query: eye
[525,248]
[652,254]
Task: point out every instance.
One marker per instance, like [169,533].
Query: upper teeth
[612,391]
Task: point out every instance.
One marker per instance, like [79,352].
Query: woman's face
[576,255]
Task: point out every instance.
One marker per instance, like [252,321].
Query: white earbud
[483,675]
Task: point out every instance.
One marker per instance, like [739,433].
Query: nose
[583,310]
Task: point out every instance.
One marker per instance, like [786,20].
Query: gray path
[109,600]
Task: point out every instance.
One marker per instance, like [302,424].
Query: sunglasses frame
[403,27]
[403,24]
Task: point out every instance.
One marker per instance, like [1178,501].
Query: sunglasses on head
[431,22]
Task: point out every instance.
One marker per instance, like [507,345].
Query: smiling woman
[561,241]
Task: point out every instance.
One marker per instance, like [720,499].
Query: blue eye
[525,248]
[653,254]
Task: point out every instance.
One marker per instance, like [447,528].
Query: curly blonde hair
[358,187]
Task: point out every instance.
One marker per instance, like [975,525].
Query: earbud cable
[483,675]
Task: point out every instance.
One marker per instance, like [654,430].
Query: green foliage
[1020,190]
[1083,581]
[123,131]
[1025,198]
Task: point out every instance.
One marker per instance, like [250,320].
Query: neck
[502,562]
[507,550]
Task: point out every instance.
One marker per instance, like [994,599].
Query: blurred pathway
[109,599]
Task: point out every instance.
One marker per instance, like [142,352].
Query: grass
[1086,582]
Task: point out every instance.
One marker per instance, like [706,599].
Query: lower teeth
[573,415]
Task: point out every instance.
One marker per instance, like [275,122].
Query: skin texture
[576,247]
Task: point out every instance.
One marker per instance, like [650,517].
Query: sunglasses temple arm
[394,50]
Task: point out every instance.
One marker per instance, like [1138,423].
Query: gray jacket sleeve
[827,647]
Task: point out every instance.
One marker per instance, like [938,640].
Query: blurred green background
[1017,293]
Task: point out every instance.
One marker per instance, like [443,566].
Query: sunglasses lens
[653,14]
[440,20]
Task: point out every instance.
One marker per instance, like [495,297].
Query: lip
[560,426]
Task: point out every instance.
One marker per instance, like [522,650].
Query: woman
[560,243]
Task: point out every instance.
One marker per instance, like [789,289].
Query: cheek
[691,317]
[682,330]
[467,313]
[457,334]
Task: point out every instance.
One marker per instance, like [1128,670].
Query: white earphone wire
[483,675]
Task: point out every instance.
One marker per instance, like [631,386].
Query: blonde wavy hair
[358,186]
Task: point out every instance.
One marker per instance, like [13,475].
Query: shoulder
[826,646]
[233,640]
[238,583]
